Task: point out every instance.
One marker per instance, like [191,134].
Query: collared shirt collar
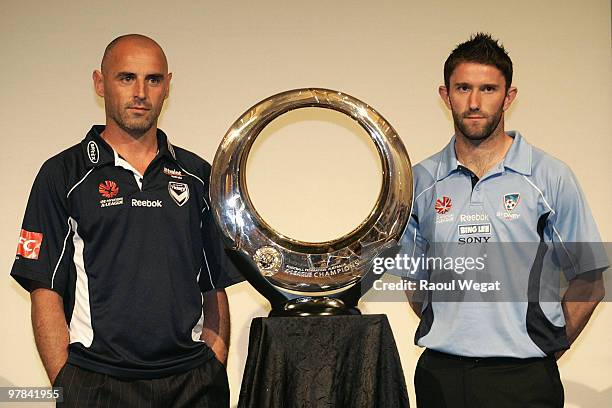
[518,157]
[99,153]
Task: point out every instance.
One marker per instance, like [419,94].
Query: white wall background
[226,56]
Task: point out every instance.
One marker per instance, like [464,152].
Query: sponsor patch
[472,229]
[511,201]
[147,203]
[443,205]
[473,217]
[179,192]
[93,152]
[29,244]
[474,240]
[177,174]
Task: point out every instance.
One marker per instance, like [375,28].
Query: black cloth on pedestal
[323,361]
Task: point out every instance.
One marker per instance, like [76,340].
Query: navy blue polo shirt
[131,255]
[532,212]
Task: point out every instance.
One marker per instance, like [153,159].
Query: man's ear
[510,95]
[98,81]
[443,91]
[168,85]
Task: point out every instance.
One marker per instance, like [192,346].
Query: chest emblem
[511,201]
[108,189]
[179,192]
[443,205]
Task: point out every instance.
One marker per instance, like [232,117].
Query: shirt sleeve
[572,230]
[41,248]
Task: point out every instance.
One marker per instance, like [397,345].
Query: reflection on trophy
[298,277]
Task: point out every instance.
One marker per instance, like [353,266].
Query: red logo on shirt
[29,244]
[443,205]
[108,189]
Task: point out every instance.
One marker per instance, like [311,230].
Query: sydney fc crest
[179,192]
[511,201]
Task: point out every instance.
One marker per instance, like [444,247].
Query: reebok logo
[147,203]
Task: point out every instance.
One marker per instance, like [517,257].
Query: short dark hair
[482,49]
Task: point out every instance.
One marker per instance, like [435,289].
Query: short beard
[136,129]
[492,122]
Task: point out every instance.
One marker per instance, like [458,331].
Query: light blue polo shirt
[530,215]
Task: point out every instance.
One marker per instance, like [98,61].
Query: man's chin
[476,137]
[136,128]
[476,134]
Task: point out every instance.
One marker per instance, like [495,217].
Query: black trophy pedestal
[323,361]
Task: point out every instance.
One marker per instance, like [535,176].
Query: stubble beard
[134,126]
[480,134]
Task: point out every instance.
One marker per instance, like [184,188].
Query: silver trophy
[309,278]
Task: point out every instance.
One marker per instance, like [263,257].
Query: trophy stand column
[323,361]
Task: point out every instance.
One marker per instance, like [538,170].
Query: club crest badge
[179,192]
[511,201]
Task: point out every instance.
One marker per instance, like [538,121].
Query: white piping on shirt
[207,207]
[69,229]
[569,256]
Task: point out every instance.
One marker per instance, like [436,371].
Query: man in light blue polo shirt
[489,192]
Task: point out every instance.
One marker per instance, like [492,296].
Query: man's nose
[140,89]
[474,100]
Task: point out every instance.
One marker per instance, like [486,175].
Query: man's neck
[138,150]
[482,156]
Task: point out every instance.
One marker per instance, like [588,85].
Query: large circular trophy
[309,278]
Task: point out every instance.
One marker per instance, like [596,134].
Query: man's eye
[463,88]
[127,78]
[489,89]
[155,81]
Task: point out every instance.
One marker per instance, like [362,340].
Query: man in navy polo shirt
[489,192]
[122,258]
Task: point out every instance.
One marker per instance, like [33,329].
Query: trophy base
[313,306]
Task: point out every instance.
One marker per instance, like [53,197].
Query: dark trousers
[447,381]
[204,386]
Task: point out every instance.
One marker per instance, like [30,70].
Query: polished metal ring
[295,266]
